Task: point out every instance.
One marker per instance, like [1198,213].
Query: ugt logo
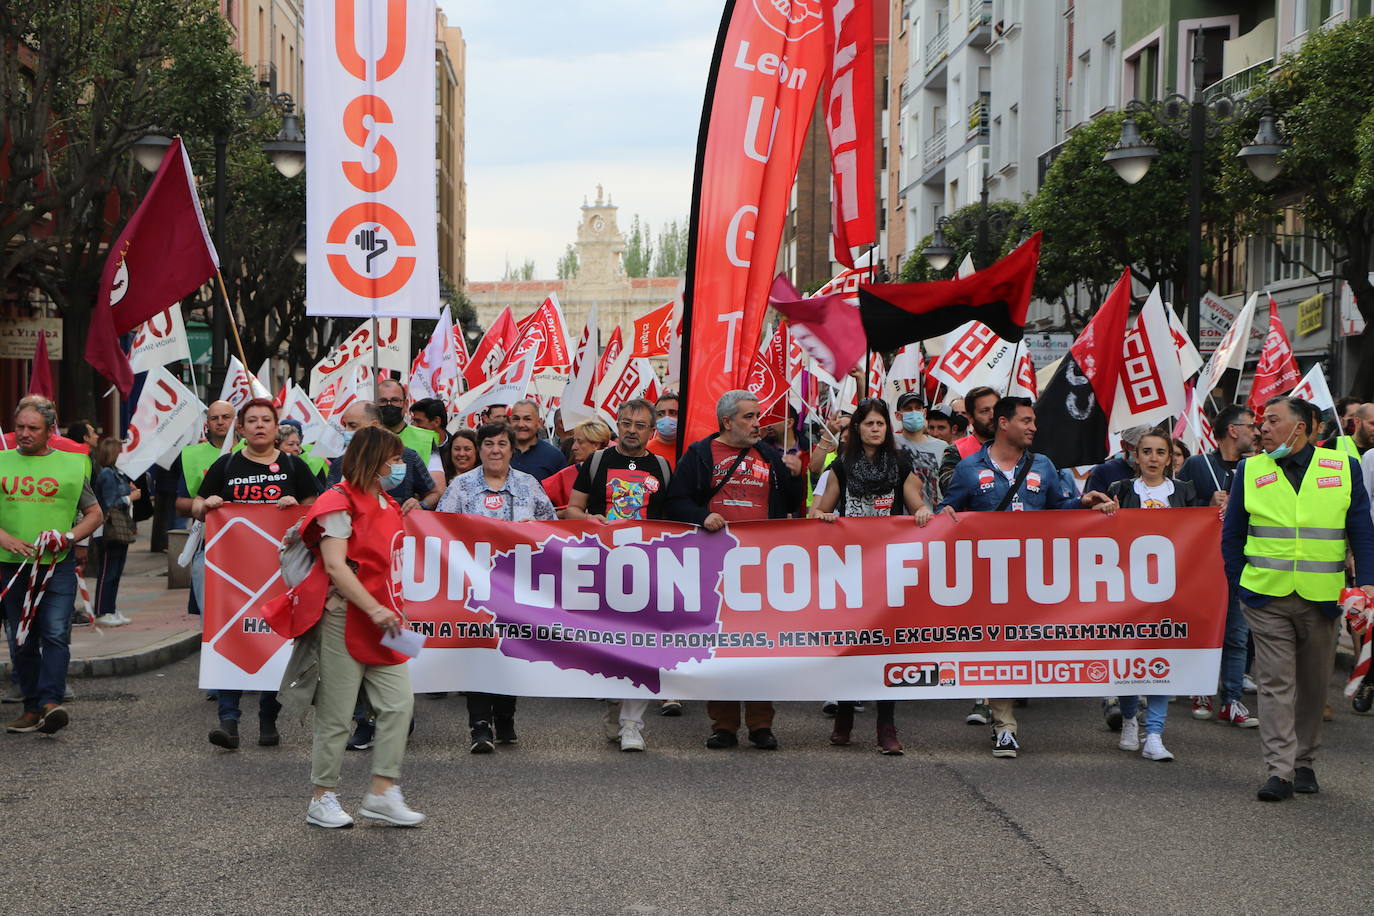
[794,19]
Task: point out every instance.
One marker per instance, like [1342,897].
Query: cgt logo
[1139,669]
[920,674]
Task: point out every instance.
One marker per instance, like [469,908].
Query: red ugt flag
[163,255]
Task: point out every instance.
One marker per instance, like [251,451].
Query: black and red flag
[1071,413]
[896,314]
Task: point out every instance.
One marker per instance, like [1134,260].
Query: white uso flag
[371,220]
[158,341]
[166,408]
[394,334]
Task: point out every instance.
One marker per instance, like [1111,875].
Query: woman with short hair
[588,438]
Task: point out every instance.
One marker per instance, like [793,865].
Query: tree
[525,271]
[567,265]
[1006,230]
[639,249]
[80,83]
[1325,97]
[1095,223]
[671,258]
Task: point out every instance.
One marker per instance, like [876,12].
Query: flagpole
[376,346]
[233,325]
[1015,356]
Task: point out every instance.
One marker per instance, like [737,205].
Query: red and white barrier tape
[52,542]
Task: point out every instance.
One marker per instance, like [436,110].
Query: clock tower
[600,245]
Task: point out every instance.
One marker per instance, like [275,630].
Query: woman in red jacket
[357,527]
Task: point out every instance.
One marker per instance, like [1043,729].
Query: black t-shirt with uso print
[238,479]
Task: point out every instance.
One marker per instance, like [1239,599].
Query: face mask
[347,437]
[666,426]
[1282,451]
[395,477]
[914,421]
[390,414]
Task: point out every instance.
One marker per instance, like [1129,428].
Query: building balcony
[1240,84]
[937,49]
[978,116]
[934,150]
[979,14]
[267,76]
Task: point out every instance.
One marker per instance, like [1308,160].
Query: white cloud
[561,96]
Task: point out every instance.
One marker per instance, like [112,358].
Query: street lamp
[149,150]
[287,150]
[1131,157]
[938,252]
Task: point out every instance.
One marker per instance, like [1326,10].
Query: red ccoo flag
[1277,372]
[163,255]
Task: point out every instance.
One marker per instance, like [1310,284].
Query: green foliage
[567,265]
[521,272]
[671,258]
[639,249]
[1006,222]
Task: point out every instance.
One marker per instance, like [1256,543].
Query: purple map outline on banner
[641,665]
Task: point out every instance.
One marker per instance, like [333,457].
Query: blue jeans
[112,559]
[268,707]
[41,662]
[1154,713]
[1234,651]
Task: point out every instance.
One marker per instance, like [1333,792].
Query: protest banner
[998,604]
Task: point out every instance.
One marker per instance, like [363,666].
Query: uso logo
[45,487]
[1138,669]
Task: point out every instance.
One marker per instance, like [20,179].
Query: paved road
[131,810]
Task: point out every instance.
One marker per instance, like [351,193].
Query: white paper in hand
[405,641]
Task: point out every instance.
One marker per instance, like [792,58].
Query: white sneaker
[1155,749]
[111,620]
[391,807]
[631,738]
[1248,685]
[1130,735]
[612,720]
[326,811]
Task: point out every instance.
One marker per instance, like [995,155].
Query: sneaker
[828,707]
[981,714]
[391,807]
[631,739]
[505,731]
[68,694]
[859,707]
[721,739]
[267,733]
[28,722]
[54,719]
[1248,685]
[112,620]
[1202,707]
[670,708]
[227,735]
[612,721]
[13,695]
[763,739]
[1155,749]
[1005,745]
[326,811]
[1111,712]
[1362,701]
[1275,789]
[1305,781]
[1130,735]
[482,741]
[887,740]
[1236,714]
[362,736]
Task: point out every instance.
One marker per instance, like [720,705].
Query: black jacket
[691,483]
[1123,491]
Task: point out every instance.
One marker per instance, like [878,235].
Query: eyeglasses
[392,402]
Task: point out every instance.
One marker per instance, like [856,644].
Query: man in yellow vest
[46,506]
[1293,511]
[189,469]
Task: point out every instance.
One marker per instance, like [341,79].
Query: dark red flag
[895,314]
[163,255]
[40,378]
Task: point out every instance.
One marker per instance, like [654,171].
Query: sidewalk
[160,633]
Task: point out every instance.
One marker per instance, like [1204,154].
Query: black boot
[267,732]
[227,735]
[844,724]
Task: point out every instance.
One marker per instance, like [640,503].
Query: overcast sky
[563,95]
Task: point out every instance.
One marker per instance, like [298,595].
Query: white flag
[165,409]
[315,429]
[1150,387]
[505,387]
[974,356]
[1230,352]
[628,379]
[394,334]
[160,340]
[1189,359]
[575,396]
[434,374]
[1313,388]
[240,385]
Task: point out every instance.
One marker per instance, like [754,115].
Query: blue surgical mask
[347,437]
[1282,451]
[666,426]
[913,421]
[395,477]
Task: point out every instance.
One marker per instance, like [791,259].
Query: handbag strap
[1008,496]
[728,474]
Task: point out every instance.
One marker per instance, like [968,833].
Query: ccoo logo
[793,19]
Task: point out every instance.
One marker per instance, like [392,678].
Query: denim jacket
[978,485]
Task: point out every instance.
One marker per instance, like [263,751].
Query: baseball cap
[908,398]
[940,411]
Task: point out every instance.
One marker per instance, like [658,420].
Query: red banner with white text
[1050,604]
